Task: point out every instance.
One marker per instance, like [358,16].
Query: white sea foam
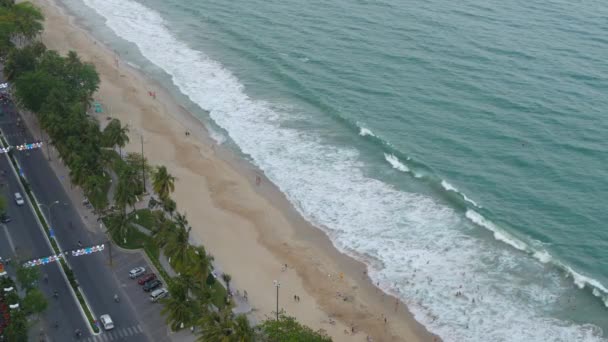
[364,131]
[425,248]
[396,163]
[543,256]
[218,137]
[499,233]
[449,187]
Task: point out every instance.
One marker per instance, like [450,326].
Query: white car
[136,272]
[19,199]
[106,321]
[158,294]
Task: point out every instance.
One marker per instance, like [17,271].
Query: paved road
[22,239]
[93,272]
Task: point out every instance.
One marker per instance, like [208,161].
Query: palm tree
[118,226]
[216,327]
[178,249]
[242,330]
[179,308]
[181,220]
[198,264]
[165,230]
[221,327]
[163,182]
[169,206]
[78,169]
[116,135]
[96,191]
[125,194]
[227,278]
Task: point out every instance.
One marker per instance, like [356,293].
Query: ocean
[453,146]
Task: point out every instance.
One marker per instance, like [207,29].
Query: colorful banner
[88,250]
[29,146]
[22,147]
[42,261]
[75,252]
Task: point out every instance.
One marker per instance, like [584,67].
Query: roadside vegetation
[59,91]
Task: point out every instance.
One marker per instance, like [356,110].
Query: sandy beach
[250,229]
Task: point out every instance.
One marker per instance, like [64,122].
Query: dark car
[4,218]
[151,285]
[146,278]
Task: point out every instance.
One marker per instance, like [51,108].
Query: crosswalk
[115,334]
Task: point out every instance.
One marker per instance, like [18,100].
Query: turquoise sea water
[454,146]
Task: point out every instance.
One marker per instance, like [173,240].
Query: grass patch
[134,238]
[145,218]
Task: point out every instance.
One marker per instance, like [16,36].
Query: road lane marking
[140,329]
[8,237]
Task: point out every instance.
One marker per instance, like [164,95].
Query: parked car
[151,285]
[136,272]
[146,278]
[158,294]
[106,321]
[4,218]
[19,199]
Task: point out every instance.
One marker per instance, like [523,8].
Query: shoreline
[229,212]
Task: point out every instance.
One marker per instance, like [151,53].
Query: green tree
[126,189]
[169,206]
[96,190]
[28,277]
[216,327]
[242,330]
[163,182]
[223,327]
[179,308]
[32,89]
[287,329]
[227,278]
[115,135]
[34,302]
[198,265]
[17,329]
[141,168]
[165,230]
[19,61]
[28,21]
[118,226]
[181,220]
[7,3]
[178,249]
[79,171]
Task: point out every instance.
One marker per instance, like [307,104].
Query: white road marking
[8,237]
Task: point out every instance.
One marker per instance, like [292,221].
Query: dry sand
[251,230]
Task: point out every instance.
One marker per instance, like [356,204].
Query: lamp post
[50,217]
[143,160]
[48,207]
[143,163]
[277,285]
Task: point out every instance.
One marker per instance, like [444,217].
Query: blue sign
[21,172]
[52,232]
